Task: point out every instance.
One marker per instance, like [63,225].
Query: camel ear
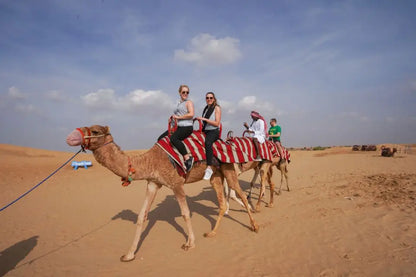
[107,129]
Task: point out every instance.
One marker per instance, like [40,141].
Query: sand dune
[347,214]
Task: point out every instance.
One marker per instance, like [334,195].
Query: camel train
[156,168]
[364,147]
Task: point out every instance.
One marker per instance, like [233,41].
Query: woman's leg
[163,135]
[211,137]
[180,134]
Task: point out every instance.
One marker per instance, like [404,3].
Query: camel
[264,168]
[282,167]
[230,193]
[387,151]
[155,167]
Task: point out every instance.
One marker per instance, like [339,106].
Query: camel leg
[181,197]
[217,184]
[263,171]
[279,167]
[230,193]
[283,174]
[232,180]
[253,180]
[272,185]
[237,168]
[151,191]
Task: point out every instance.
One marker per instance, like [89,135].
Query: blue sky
[332,72]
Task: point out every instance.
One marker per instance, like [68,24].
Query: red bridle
[87,137]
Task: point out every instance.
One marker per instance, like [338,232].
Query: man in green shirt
[274,135]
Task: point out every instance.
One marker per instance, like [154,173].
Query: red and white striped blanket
[235,150]
[275,152]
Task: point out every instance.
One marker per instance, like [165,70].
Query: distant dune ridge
[348,213]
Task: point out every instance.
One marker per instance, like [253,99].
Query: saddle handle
[200,124]
[172,125]
[245,133]
[230,135]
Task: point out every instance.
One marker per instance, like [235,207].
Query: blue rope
[27,192]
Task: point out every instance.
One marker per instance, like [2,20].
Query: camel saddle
[235,150]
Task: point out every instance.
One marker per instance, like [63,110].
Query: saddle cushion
[235,150]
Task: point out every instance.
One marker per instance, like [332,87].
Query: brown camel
[282,167]
[155,167]
[259,169]
[387,151]
[263,168]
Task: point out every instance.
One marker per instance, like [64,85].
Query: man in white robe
[258,131]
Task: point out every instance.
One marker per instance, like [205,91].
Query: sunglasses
[185,92]
[208,98]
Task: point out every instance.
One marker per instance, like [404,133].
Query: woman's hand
[201,118]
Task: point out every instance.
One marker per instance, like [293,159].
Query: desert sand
[347,214]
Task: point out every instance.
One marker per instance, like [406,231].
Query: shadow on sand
[11,256]
[168,210]
[60,247]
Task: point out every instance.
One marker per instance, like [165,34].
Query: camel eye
[94,133]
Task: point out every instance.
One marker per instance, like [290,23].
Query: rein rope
[27,192]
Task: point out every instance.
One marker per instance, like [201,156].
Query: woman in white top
[183,113]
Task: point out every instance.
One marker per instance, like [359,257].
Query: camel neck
[112,157]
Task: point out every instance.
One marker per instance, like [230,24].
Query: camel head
[90,138]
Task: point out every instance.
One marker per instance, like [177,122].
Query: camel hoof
[210,234]
[255,228]
[257,209]
[270,205]
[187,247]
[125,260]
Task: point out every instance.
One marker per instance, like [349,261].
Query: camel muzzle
[74,138]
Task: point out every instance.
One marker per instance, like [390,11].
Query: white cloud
[15,93]
[103,98]
[136,101]
[205,49]
[251,102]
[152,98]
